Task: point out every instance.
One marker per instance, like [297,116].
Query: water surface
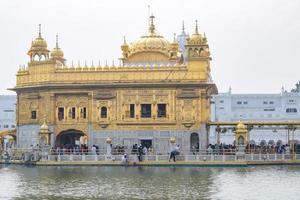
[23,182]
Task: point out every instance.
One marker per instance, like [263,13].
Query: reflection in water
[281,182]
[9,182]
[21,182]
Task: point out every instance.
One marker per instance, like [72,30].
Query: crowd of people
[253,148]
[221,149]
[142,150]
[269,148]
[74,149]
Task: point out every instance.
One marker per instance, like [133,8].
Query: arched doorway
[194,142]
[241,140]
[71,138]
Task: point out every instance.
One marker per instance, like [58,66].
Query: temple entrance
[146,143]
[194,142]
[71,138]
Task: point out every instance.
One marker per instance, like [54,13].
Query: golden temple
[159,91]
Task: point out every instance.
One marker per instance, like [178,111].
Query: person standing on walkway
[140,153]
[145,150]
[94,150]
[125,158]
[172,156]
[177,149]
[173,153]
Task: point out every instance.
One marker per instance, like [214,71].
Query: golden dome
[57,52]
[240,126]
[151,42]
[39,44]
[44,128]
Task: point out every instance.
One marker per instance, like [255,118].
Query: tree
[297,89]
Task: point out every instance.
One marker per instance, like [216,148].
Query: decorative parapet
[56,73]
[133,67]
[23,70]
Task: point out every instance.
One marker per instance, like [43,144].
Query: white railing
[160,158]
[100,155]
[186,158]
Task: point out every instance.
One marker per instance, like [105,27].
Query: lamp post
[241,135]
[218,130]
[44,135]
[44,141]
[172,143]
[108,146]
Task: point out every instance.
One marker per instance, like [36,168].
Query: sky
[254,44]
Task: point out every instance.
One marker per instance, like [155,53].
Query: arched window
[36,57]
[201,51]
[103,112]
[196,52]
[241,140]
[43,57]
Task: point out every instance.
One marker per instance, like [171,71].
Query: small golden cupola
[174,49]
[150,48]
[57,53]
[196,38]
[38,50]
[197,46]
[125,49]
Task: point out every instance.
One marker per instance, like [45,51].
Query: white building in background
[181,39]
[7,112]
[228,107]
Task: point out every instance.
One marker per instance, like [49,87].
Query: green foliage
[297,87]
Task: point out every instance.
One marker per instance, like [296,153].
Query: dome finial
[151,27]
[148,15]
[196,30]
[57,53]
[40,34]
[56,41]
[174,39]
[151,19]
[183,26]
[124,39]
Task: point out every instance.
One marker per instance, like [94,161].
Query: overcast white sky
[255,44]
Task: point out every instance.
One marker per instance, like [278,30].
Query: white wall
[229,107]
[7,112]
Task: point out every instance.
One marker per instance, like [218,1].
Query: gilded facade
[156,93]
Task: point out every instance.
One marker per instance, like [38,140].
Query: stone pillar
[45,150]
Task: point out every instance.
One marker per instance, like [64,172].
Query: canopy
[11,132]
